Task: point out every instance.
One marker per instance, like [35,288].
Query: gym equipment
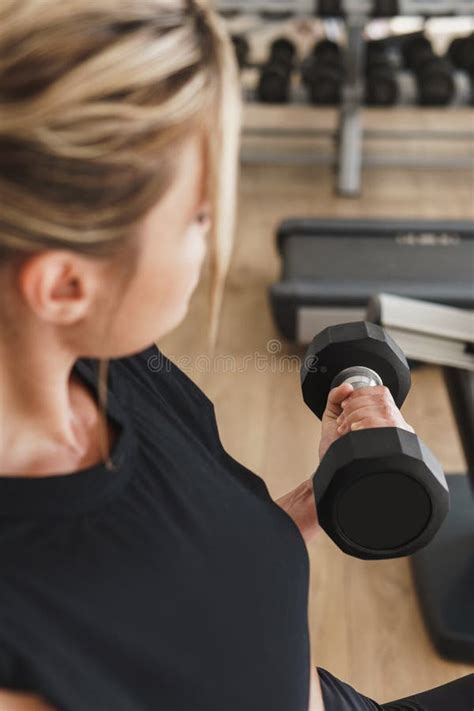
[344,8]
[461,53]
[242,49]
[322,73]
[331,268]
[275,77]
[434,75]
[436,86]
[385,8]
[274,84]
[327,50]
[443,571]
[347,151]
[380,492]
[283,51]
[381,87]
[339,8]
[330,8]
[429,333]
[412,48]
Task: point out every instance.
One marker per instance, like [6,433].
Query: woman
[142,567]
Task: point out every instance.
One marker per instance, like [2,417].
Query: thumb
[336,396]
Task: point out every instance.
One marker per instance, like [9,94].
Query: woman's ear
[58,286]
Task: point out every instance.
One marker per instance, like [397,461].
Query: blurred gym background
[354,111]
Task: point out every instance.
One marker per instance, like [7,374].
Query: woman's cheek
[196,239]
[177,276]
[196,253]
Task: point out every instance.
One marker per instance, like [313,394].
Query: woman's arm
[300,503]
[316,702]
[301,506]
[18,701]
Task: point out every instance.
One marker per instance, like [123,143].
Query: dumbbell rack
[356,14]
[342,8]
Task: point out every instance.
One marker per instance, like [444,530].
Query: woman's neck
[50,422]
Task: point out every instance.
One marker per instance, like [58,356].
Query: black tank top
[172,583]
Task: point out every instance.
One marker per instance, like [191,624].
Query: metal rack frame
[318,8]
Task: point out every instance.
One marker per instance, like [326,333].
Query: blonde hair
[95,97]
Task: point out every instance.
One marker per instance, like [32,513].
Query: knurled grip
[358,376]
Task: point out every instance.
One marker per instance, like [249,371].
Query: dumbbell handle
[358,376]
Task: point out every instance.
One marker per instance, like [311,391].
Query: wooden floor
[364,619]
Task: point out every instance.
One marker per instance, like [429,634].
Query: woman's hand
[301,506]
[348,410]
[18,701]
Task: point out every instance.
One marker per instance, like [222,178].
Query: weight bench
[331,268]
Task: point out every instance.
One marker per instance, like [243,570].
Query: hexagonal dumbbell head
[346,345]
[380,494]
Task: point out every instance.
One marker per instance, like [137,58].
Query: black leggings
[458,695]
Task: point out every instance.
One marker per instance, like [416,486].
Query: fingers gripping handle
[358,376]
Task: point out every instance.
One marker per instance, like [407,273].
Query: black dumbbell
[283,51]
[435,81]
[381,87]
[323,73]
[413,47]
[380,493]
[434,75]
[327,50]
[274,84]
[330,8]
[385,8]
[461,53]
[242,49]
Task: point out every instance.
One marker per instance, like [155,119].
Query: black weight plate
[377,60]
[381,88]
[342,346]
[397,511]
[380,493]
[413,48]
[385,8]
[324,83]
[274,84]
[461,53]
[466,54]
[454,51]
[435,88]
[330,8]
[242,49]
[327,51]
[283,51]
